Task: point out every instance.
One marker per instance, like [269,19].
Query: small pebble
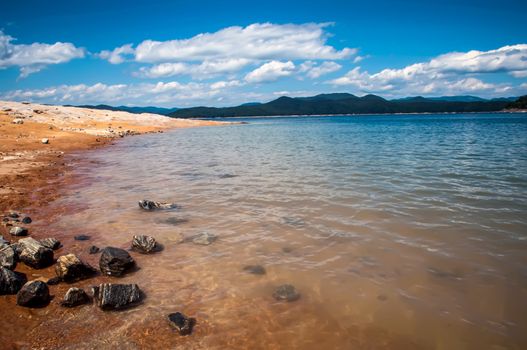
[82,237]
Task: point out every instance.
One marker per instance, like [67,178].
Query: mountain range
[334,103]
[344,103]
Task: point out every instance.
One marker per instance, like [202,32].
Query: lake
[399,232]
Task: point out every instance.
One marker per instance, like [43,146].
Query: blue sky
[183,53]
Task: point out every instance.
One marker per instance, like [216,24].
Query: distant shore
[511,111]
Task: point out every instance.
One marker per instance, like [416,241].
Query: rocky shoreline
[69,269]
[40,147]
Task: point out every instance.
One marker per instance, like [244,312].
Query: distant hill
[520,103]
[466,98]
[136,110]
[343,103]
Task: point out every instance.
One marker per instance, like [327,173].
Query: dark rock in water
[255,269]
[17,247]
[27,220]
[18,231]
[286,292]
[227,176]
[50,243]
[3,242]
[144,244]
[181,323]
[33,294]
[13,215]
[10,281]
[115,261]
[94,249]
[146,204]
[53,281]
[287,249]
[35,254]
[81,238]
[116,296]
[8,257]
[204,238]
[70,268]
[175,221]
[75,297]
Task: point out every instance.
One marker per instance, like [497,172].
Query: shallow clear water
[398,231]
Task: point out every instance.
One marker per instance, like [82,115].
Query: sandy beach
[31,172]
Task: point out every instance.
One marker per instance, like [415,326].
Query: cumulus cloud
[449,73]
[270,71]
[206,69]
[314,71]
[259,41]
[231,49]
[36,56]
[117,55]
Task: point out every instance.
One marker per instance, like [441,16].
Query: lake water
[400,232]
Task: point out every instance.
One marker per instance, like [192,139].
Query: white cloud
[205,69]
[357,59]
[259,41]
[36,56]
[117,55]
[270,71]
[314,71]
[161,93]
[230,50]
[451,73]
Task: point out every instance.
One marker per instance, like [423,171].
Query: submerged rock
[18,231]
[146,204]
[53,281]
[27,220]
[13,215]
[70,268]
[75,297]
[3,242]
[255,269]
[10,281]
[50,243]
[115,261]
[35,254]
[8,257]
[144,244]
[33,294]
[181,323]
[204,238]
[94,249]
[286,292]
[116,296]
[81,238]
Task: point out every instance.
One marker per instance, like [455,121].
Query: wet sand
[32,175]
[31,172]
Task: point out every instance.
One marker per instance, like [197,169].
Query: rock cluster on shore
[113,262]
